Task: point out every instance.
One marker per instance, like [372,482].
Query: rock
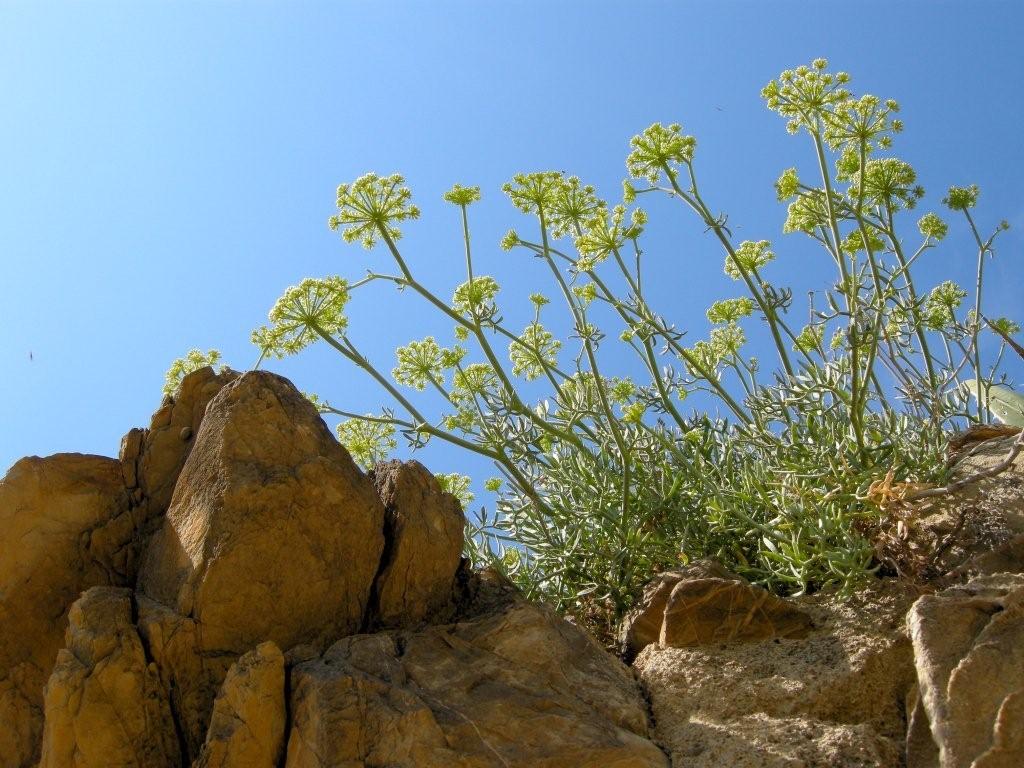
[104,705]
[704,604]
[969,654]
[424,534]
[60,533]
[516,688]
[248,721]
[704,611]
[273,533]
[834,697]
[153,458]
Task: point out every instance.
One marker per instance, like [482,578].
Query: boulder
[104,704]
[704,604]
[423,531]
[273,533]
[514,688]
[969,654]
[248,721]
[832,697]
[61,532]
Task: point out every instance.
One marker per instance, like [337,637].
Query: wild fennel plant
[604,480]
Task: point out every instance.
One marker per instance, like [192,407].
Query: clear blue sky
[166,169]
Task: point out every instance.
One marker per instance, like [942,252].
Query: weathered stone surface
[642,626]
[424,535]
[56,539]
[703,611]
[518,688]
[267,484]
[248,721]
[104,705]
[969,652]
[833,698]
[273,533]
[153,458]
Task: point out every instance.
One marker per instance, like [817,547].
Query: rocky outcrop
[60,533]
[519,687]
[969,653]
[424,535]
[104,704]
[248,721]
[273,533]
[834,697]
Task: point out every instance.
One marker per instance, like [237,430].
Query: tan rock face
[424,534]
[248,721]
[969,653]
[516,688]
[59,535]
[832,698]
[104,705]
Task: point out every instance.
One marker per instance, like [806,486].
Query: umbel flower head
[460,195]
[534,193]
[535,349]
[750,256]
[372,205]
[314,306]
[422,362]
[476,297]
[369,440]
[804,95]
[659,149]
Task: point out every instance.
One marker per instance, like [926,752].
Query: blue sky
[166,169]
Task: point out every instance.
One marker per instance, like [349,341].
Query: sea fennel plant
[603,480]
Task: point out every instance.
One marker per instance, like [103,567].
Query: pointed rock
[424,533]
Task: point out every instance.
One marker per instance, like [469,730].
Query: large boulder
[61,531]
[424,538]
[832,697]
[105,706]
[517,687]
[273,533]
[969,652]
[248,721]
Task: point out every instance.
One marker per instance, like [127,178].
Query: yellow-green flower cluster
[862,122]
[457,485]
[369,441]
[460,195]
[961,198]
[180,368]
[930,225]
[749,257]
[536,349]
[887,182]
[573,206]
[854,242]
[606,233]
[304,311]
[942,303]
[659,149]
[787,185]
[809,339]
[535,193]
[730,310]
[373,205]
[475,297]
[419,363]
[804,94]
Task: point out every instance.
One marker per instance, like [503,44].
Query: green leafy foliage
[602,479]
